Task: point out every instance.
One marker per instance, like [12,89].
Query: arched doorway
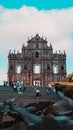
[37,82]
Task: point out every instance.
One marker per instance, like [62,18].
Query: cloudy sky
[22,18]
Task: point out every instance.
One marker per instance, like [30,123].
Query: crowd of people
[18,86]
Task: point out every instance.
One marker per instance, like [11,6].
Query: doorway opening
[37,83]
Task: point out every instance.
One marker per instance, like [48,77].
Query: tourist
[14,86]
[17,86]
[21,87]
[47,91]
[49,85]
[4,83]
[56,89]
[37,92]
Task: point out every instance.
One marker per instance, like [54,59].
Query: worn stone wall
[37,52]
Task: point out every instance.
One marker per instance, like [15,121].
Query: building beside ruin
[37,64]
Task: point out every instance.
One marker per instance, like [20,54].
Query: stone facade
[36,64]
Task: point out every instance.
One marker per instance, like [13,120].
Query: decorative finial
[64,51]
[45,38]
[50,45]
[59,51]
[56,52]
[9,51]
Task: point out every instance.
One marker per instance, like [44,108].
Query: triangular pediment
[37,38]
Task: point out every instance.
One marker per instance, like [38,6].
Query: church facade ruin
[37,64]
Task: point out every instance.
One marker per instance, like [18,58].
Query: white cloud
[17,25]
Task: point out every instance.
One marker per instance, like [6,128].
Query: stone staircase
[28,96]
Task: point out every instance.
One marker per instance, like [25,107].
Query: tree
[70,77]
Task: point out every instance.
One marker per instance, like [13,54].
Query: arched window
[37,55]
[36,45]
[37,69]
[62,67]
[18,69]
[55,69]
